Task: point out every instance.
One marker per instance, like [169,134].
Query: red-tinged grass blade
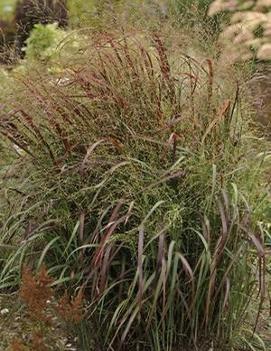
[227,293]
[140,264]
[81,226]
[89,152]
[210,80]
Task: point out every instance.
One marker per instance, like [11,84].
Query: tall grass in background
[103,14]
[137,177]
[183,6]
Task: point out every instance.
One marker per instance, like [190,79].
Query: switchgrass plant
[143,183]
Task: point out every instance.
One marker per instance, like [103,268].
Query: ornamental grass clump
[144,185]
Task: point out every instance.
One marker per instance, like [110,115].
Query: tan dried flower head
[249,29]
[218,6]
[17,345]
[263,3]
[71,309]
[264,53]
[38,342]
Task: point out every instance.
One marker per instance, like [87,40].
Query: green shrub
[144,184]
[43,41]
[31,12]
[48,45]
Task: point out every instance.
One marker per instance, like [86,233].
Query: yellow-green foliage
[47,46]
[43,41]
[6,8]
[80,11]
[103,14]
[92,12]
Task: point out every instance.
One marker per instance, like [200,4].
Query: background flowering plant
[248,34]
